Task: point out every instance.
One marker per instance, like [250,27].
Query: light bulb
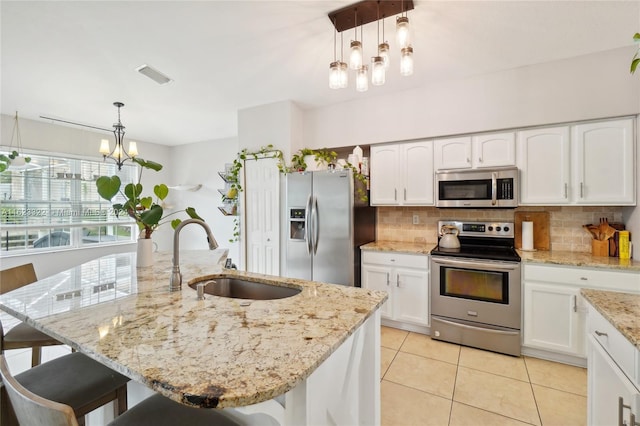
[402,31]
[344,75]
[378,72]
[104,147]
[362,82]
[406,61]
[355,60]
[383,52]
[334,75]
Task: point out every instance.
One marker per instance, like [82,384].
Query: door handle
[316,224]
[307,224]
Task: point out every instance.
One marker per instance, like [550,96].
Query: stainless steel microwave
[477,188]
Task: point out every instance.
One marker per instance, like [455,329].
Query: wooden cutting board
[541,240]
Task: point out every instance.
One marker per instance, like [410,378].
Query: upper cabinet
[486,150]
[402,174]
[591,163]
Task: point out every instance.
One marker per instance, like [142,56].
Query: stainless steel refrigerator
[324,223]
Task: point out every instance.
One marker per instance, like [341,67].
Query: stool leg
[36,355]
[120,404]
[7,415]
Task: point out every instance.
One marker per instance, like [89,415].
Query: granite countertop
[399,246]
[218,352]
[579,259]
[622,310]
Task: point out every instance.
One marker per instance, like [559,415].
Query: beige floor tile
[501,395]
[428,375]
[557,376]
[560,408]
[392,338]
[491,362]
[419,344]
[465,415]
[405,406]
[386,356]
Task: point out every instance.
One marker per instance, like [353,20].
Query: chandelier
[357,15]
[118,154]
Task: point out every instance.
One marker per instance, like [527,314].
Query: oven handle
[482,265]
[470,327]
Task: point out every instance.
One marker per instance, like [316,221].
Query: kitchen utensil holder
[600,248]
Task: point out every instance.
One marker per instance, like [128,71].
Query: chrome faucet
[175,282]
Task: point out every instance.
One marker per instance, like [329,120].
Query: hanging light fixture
[15,158]
[403,35]
[406,61]
[118,154]
[344,75]
[362,13]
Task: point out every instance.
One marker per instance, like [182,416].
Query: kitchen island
[319,348]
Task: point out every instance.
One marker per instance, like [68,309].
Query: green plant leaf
[192,213]
[132,191]
[152,216]
[146,202]
[636,37]
[148,164]
[107,186]
[634,64]
[27,159]
[4,158]
[3,167]
[161,191]
[175,223]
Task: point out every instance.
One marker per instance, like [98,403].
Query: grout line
[535,400]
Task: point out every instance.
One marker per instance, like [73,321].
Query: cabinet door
[411,296]
[385,175]
[606,383]
[417,161]
[379,278]
[452,153]
[493,150]
[552,319]
[603,162]
[543,160]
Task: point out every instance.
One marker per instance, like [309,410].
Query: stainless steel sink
[242,289]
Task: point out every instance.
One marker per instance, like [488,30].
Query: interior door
[333,227]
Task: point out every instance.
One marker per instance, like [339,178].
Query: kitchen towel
[527,235]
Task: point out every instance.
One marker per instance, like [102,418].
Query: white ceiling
[71,60]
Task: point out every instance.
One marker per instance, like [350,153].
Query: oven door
[480,291]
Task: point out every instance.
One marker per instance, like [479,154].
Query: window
[52,203]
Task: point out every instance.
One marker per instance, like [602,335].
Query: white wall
[586,87]
[199,163]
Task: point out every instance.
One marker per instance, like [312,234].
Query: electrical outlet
[416,219]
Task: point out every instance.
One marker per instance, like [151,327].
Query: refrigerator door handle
[307,225]
[315,224]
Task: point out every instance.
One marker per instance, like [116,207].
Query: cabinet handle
[479,159]
[575,303]
[398,280]
[395,194]
[601,333]
[405,194]
[584,279]
[387,278]
[581,190]
[468,161]
[621,407]
[566,190]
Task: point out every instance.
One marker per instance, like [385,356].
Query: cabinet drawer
[584,277]
[396,259]
[616,345]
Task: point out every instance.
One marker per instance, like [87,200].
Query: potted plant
[147,213]
[12,157]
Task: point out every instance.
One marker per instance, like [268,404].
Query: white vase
[144,253]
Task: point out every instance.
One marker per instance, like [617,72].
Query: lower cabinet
[406,278]
[554,313]
[612,397]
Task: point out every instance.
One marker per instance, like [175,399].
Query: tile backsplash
[566,233]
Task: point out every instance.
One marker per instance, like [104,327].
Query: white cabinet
[544,163]
[603,162]
[612,392]
[402,174]
[406,278]
[590,163]
[485,150]
[554,317]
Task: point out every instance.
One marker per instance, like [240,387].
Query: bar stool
[74,384]
[22,335]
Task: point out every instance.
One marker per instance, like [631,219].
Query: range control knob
[506,229]
[498,228]
[490,228]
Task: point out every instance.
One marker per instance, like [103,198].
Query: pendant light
[403,36]
[334,67]
[119,155]
[362,79]
[344,74]
[355,60]
[406,61]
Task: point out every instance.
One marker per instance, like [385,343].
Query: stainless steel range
[475,289]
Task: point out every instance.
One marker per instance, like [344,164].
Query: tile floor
[428,382]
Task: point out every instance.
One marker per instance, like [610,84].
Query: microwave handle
[494,188]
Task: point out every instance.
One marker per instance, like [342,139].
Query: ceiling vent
[153,74]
